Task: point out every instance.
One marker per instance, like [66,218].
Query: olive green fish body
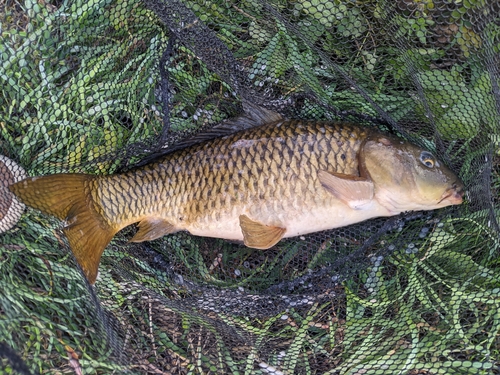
[268,174]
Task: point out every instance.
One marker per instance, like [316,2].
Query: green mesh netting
[105,86]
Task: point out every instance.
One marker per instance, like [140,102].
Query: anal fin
[152,228]
[354,191]
[260,236]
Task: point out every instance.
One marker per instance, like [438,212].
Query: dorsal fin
[253,115]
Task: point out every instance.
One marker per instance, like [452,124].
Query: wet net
[105,86]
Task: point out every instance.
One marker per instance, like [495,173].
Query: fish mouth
[454,194]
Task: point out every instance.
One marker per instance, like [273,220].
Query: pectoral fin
[354,191]
[258,235]
[152,228]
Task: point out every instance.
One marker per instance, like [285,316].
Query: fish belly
[334,214]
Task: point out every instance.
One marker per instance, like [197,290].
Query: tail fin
[67,197]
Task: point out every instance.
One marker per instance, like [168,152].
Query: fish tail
[68,197]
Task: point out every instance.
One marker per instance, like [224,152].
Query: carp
[266,179]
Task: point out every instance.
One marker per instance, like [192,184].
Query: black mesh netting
[107,86]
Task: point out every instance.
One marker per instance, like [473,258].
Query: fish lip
[454,194]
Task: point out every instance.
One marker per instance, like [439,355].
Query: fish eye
[427,159]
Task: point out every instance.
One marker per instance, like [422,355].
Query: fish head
[407,177]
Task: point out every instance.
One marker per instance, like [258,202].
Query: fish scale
[227,173]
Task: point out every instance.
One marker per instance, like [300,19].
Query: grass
[80,93]
[74,81]
[44,305]
[416,320]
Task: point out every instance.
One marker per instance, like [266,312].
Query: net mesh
[104,86]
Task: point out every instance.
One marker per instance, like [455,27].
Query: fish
[257,179]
